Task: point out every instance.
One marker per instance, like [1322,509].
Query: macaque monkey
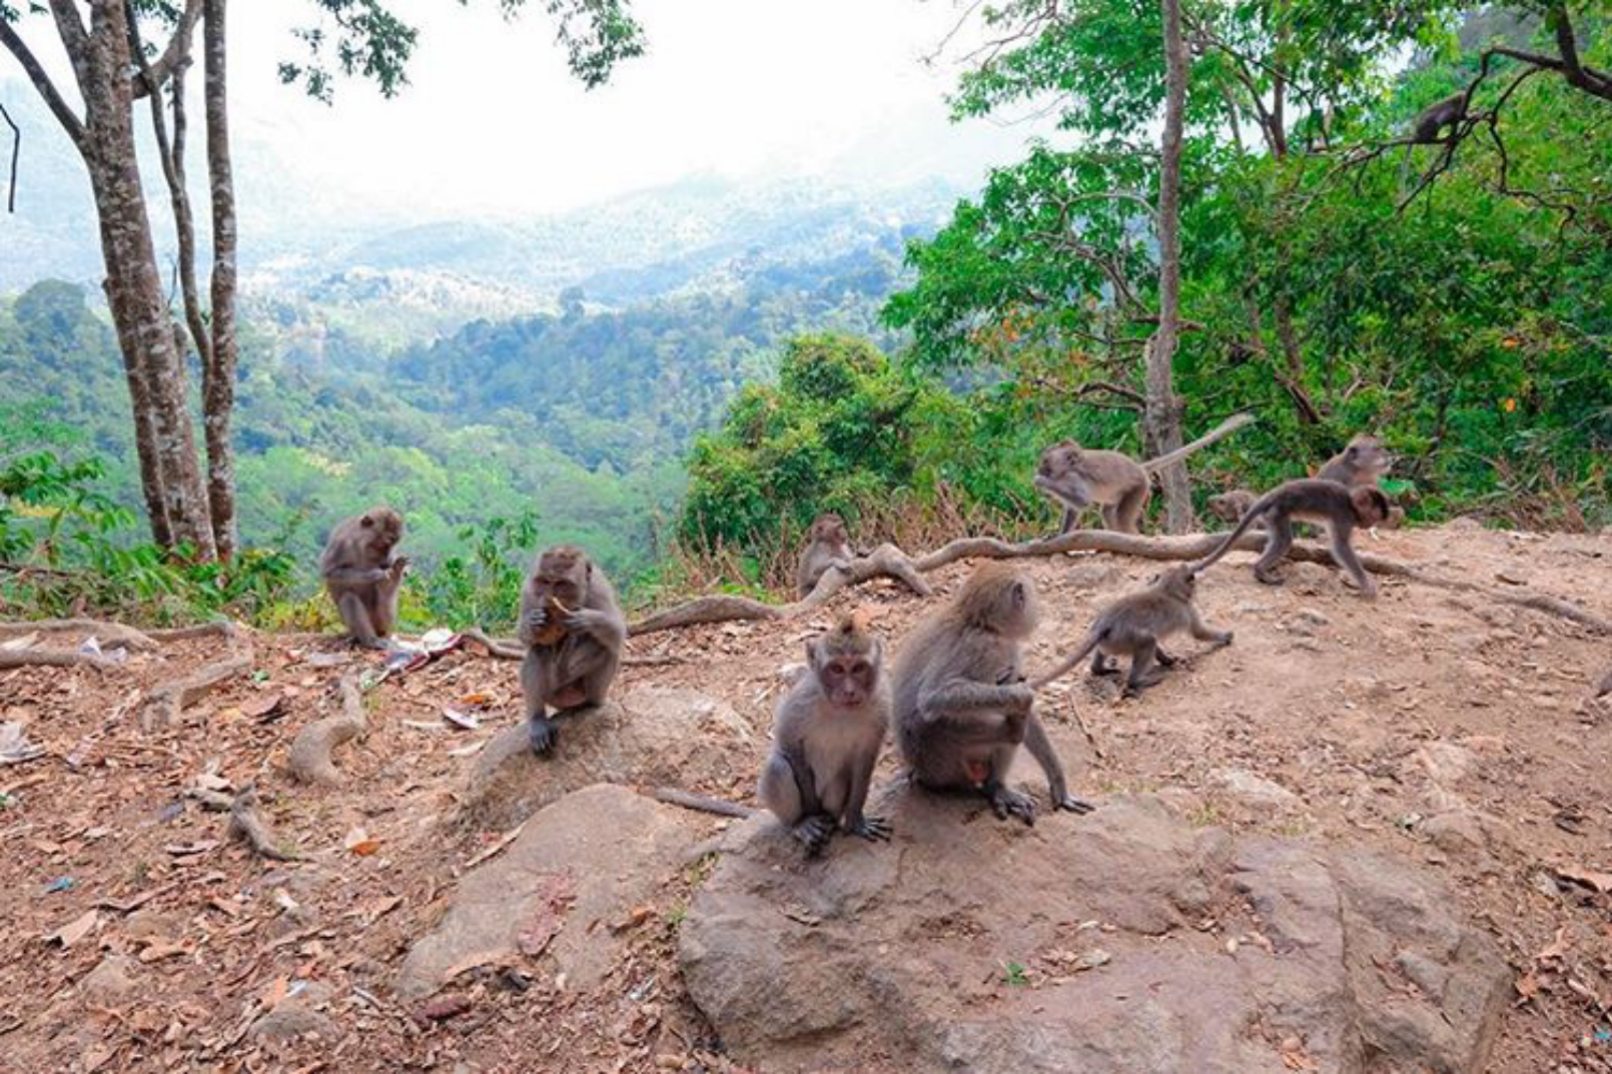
[1134,625]
[1230,507]
[361,575]
[1431,121]
[573,631]
[1076,477]
[1309,500]
[1362,463]
[827,545]
[962,706]
[826,738]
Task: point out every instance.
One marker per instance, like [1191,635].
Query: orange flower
[1510,406]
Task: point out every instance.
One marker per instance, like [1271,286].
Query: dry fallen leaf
[1590,878]
[75,930]
[360,842]
[443,1007]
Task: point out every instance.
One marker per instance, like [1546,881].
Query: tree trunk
[219,360]
[1162,414]
[133,287]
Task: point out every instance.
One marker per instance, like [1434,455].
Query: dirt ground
[1429,724]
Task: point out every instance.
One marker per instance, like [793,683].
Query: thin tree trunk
[133,287]
[219,361]
[1162,415]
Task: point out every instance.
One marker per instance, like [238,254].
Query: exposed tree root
[722,608]
[310,753]
[165,703]
[504,650]
[59,658]
[702,803]
[109,634]
[223,628]
[248,826]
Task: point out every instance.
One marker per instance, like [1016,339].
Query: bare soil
[1425,724]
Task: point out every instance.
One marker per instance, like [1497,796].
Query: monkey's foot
[813,832]
[1008,803]
[1069,803]
[1164,658]
[1104,665]
[543,734]
[1134,687]
[874,829]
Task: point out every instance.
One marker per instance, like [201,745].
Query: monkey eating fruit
[573,631]
[361,575]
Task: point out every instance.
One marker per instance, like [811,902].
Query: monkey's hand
[813,832]
[1070,804]
[589,621]
[1008,803]
[399,565]
[1019,698]
[535,620]
[542,733]
[873,829]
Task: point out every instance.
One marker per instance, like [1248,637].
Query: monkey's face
[1224,507]
[1180,582]
[830,529]
[1058,459]
[848,679]
[383,528]
[1017,609]
[563,578]
[1368,456]
[1058,475]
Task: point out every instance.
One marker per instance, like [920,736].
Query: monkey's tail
[1219,432]
[1250,516]
[1091,642]
[702,803]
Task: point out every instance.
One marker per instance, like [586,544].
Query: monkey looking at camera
[827,545]
[826,738]
[361,575]
[1341,508]
[573,630]
[962,707]
[1134,625]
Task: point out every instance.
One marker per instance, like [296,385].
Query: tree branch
[71,123]
[176,54]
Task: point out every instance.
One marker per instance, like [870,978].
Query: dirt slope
[1425,724]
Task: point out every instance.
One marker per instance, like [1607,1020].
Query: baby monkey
[1341,508]
[826,739]
[1135,624]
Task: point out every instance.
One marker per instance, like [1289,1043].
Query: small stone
[111,980]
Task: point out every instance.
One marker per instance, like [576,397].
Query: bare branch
[70,121]
[156,75]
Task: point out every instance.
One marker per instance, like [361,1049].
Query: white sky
[493,123]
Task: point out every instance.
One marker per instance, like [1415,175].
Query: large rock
[978,945]
[654,735]
[586,861]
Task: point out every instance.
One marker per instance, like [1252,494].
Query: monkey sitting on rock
[827,734]
[573,630]
[962,707]
[1134,625]
[361,575]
